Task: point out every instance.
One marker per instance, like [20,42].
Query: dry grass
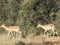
[4,40]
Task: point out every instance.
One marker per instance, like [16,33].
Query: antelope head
[2,25]
[38,25]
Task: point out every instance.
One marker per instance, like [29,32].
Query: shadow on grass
[20,43]
[43,43]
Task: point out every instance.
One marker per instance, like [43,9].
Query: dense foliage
[27,13]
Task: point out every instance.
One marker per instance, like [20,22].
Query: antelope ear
[39,23]
[2,24]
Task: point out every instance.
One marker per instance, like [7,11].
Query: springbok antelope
[48,27]
[10,29]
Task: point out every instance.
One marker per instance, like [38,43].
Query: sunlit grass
[4,40]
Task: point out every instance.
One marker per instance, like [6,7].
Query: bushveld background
[27,14]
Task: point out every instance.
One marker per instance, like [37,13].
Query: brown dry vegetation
[36,40]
